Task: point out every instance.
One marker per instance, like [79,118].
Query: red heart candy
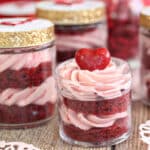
[67,2]
[89,59]
[17,23]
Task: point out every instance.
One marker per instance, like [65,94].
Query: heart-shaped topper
[92,59]
[68,2]
[14,23]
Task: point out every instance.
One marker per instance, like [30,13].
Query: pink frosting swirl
[87,85]
[85,122]
[25,60]
[40,95]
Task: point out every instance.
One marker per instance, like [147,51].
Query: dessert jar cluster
[145,54]
[123,22]
[94,106]
[27,87]
[17,8]
[76,26]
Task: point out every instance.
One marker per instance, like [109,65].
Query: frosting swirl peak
[87,85]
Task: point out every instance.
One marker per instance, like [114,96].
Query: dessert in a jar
[27,60]
[17,8]
[77,25]
[123,22]
[145,54]
[123,39]
[94,99]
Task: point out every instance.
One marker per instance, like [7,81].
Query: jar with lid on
[17,8]
[78,25]
[145,54]
[27,60]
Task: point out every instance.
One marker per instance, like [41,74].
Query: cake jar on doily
[145,54]
[78,25]
[17,8]
[94,100]
[27,59]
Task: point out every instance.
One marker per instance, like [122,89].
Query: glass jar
[77,25]
[123,38]
[123,19]
[17,8]
[145,54]
[94,106]
[27,87]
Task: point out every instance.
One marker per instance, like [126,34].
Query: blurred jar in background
[123,40]
[123,21]
[17,8]
[77,25]
[145,55]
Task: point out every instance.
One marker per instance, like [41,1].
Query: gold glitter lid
[145,17]
[25,32]
[87,12]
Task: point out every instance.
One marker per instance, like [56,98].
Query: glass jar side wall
[27,88]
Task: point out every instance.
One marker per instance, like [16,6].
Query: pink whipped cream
[40,95]
[96,38]
[87,85]
[25,60]
[85,122]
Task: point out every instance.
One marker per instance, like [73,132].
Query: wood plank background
[47,138]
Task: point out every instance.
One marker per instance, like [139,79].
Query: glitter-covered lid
[86,12]
[24,32]
[145,17]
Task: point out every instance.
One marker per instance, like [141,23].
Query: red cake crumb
[104,107]
[145,57]
[25,77]
[22,79]
[99,135]
[123,38]
[123,27]
[28,114]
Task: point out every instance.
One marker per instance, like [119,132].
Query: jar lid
[25,32]
[20,8]
[86,12]
[145,17]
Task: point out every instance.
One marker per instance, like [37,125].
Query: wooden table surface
[46,137]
